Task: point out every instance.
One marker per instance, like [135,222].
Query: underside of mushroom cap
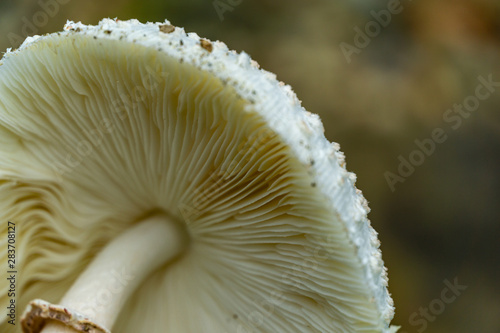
[100,124]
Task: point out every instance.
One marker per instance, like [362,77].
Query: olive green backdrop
[388,79]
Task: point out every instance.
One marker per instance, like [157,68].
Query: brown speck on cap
[108,32]
[167,28]
[206,45]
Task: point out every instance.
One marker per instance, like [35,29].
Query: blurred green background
[442,222]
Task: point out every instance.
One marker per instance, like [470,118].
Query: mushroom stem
[103,288]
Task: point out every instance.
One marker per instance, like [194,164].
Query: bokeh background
[442,222]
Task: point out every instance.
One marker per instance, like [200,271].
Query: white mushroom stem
[103,288]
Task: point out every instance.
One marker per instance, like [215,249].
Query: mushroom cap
[102,124]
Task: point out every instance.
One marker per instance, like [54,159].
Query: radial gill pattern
[102,125]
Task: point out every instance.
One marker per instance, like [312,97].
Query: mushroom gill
[102,127]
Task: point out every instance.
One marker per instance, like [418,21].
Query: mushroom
[160,182]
